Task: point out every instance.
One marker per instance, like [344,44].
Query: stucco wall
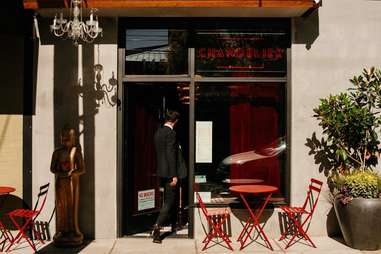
[43,130]
[66,94]
[11,152]
[329,48]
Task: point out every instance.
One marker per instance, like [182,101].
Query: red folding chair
[28,217]
[297,226]
[216,218]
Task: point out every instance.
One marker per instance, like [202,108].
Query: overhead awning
[185,8]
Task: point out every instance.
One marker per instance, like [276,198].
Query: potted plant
[350,122]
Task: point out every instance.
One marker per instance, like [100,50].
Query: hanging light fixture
[76,29]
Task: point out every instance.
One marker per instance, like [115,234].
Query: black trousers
[168,212]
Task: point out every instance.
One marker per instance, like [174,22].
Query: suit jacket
[166,152]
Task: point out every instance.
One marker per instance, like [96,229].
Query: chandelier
[76,28]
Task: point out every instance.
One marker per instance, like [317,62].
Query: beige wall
[43,130]
[105,150]
[347,41]
[11,152]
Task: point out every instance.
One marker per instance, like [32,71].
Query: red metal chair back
[313,194]
[41,199]
[202,204]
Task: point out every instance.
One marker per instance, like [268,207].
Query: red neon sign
[259,53]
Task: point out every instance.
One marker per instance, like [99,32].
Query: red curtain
[253,126]
[144,158]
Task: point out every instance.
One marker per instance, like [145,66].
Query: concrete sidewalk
[131,245]
[189,246]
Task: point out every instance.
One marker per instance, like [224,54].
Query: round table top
[253,189]
[243,181]
[6,190]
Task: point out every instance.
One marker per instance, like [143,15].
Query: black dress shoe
[156,234]
[156,240]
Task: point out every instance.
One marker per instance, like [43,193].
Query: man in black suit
[167,169]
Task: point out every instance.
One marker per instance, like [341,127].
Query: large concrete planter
[360,223]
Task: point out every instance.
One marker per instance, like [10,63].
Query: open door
[145,107]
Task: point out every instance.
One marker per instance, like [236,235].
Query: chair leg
[36,233]
[208,235]
[294,224]
[226,239]
[21,234]
[286,230]
[247,235]
[299,230]
[209,239]
[6,235]
[216,231]
[244,229]
[304,234]
[221,233]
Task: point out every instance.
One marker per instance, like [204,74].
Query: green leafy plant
[350,122]
[358,184]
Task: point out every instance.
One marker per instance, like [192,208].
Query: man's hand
[174,181]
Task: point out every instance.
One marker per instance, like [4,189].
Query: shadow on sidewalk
[51,249]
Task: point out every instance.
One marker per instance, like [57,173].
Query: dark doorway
[145,107]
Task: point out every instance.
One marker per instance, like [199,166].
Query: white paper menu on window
[204,133]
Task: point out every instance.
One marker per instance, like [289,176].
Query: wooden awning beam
[125,4]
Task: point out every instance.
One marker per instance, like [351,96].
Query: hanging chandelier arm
[58,32]
[90,32]
[65,28]
[87,38]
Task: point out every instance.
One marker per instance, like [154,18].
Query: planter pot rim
[336,198]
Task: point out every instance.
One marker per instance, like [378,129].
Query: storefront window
[240,136]
[241,53]
[156,52]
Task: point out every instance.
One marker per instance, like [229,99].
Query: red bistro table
[255,214]
[6,190]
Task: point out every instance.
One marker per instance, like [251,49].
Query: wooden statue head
[68,137]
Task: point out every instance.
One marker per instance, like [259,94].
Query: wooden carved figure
[67,165]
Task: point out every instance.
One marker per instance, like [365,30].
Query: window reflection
[272,150]
[156,51]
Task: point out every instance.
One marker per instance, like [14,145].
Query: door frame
[123,81]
